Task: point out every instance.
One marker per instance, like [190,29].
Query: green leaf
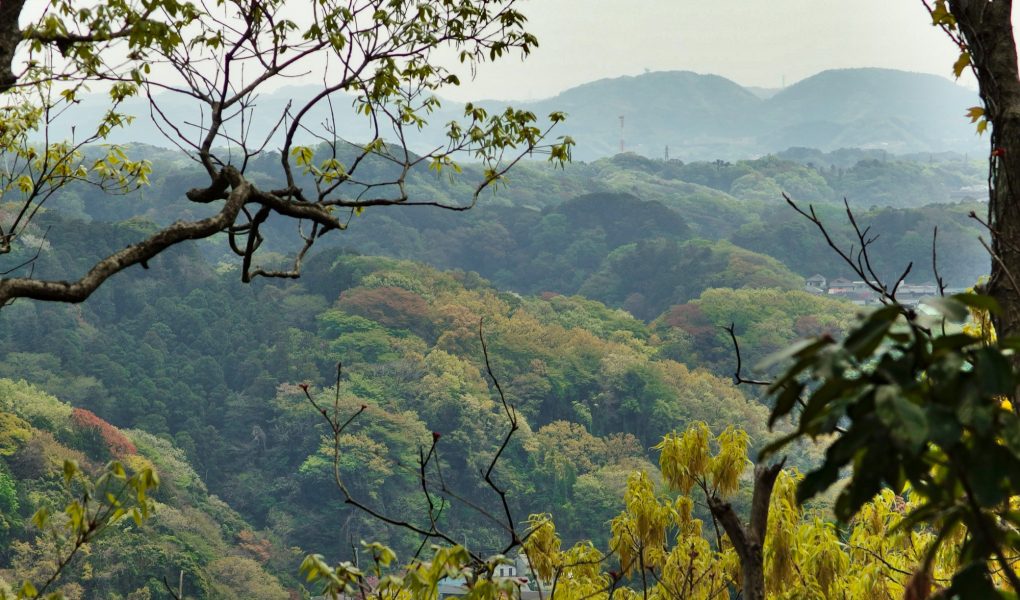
[994,373]
[41,517]
[785,401]
[973,581]
[1009,343]
[943,427]
[986,473]
[866,481]
[905,420]
[956,341]
[70,468]
[979,302]
[28,590]
[951,307]
[796,350]
[863,341]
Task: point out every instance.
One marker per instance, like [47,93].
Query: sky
[753,42]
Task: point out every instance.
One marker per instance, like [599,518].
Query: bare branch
[739,379]
[935,262]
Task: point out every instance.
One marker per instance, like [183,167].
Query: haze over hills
[706,116]
[696,116]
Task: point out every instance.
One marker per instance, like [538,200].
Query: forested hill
[629,231]
[601,290]
[694,115]
[191,531]
[188,355]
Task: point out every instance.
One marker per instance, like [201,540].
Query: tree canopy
[381,57]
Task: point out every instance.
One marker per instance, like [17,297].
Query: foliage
[767,320]
[37,407]
[241,577]
[922,412]
[661,548]
[115,442]
[184,528]
[381,53]
[14,433]
[98,504]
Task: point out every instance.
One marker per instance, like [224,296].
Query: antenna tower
[621,135]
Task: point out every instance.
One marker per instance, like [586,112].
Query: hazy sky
[753,42]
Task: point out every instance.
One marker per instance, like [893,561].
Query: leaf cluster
[919,410]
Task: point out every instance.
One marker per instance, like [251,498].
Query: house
[815,282]
[526,584]
[841,286]
[912,295]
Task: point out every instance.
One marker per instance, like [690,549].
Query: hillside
[191,531]
[190,356]
[567,231]
[602,290]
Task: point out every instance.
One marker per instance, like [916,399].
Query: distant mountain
[694,116]
[763,92]
[871,108]
[706,116]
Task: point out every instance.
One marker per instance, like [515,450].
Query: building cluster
[861,292]
[526,585]
[519,572]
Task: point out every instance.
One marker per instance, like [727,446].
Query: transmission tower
[621,135]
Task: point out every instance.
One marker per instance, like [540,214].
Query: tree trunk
[749,540]
[10,37]
[988,32]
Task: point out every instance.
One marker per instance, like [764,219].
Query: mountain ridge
[684,114]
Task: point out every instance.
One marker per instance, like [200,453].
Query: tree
[660,548]
[922,406]
[983,31]
[381,57]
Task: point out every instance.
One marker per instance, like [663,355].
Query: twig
[739,379]
[511,415]
[998,259]
[934,262]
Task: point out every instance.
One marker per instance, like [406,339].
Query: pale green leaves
[96,505]
[687,460]
[418,580]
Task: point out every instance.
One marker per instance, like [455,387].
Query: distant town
[861,292]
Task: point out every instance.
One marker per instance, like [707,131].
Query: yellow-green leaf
[961,63]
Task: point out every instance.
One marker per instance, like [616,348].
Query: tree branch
[78,291]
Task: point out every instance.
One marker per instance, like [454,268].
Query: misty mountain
[706,116]
[696,116]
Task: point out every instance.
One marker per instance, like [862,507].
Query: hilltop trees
[377,56]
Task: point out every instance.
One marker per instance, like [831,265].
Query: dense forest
[601,291]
